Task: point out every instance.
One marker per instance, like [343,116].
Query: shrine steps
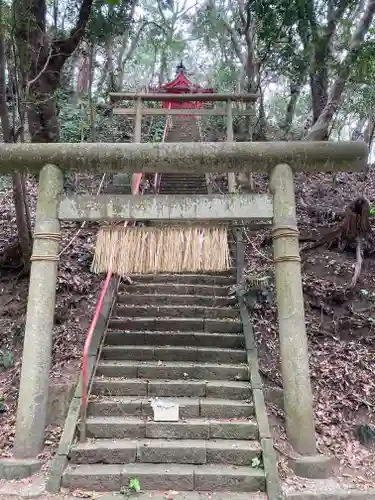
[195,356]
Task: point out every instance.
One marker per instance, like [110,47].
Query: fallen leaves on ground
[340,323]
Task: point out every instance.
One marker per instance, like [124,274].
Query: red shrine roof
[182,85]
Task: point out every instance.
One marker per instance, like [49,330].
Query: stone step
[181,181]
[156,451]
[178,289]
[226,279]
[112,477]
[189,495]
[191,185]
[173,353]
[117,406]
[218,389]
[199,339]
[178,370]
[177,324]
[175,300]
[112,189]
[172,311]
[173,189]
[126,427]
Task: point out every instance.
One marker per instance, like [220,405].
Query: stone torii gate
[279,159]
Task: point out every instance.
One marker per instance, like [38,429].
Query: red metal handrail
[86,351]
[90,333]
[166,127]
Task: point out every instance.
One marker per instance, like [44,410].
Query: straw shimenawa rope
[145,250]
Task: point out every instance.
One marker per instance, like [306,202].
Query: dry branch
[358,266]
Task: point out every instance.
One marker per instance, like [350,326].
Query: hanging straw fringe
[144,250]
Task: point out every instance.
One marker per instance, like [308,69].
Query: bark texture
[42,60]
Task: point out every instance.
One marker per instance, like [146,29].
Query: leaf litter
[340,324]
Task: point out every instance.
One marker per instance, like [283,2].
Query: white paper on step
[165,411]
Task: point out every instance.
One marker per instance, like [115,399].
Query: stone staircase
[179,338]
[183,129]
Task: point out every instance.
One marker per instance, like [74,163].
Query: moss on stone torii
[188,157]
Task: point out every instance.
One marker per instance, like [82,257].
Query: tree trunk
[319,91]
[163,67]
[89,92]
[319,77]
[320,128]
[19,189]
[41,62]
[295,92]
[322,39]
[23,225]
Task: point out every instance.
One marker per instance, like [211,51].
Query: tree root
[358,266]
[353,229]
[354,226]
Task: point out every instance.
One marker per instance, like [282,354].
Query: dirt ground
[340,323]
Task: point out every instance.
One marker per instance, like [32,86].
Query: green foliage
[134,484]
[75,122]
[109,18]
[284,36]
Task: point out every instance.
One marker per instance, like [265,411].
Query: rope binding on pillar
[48,237]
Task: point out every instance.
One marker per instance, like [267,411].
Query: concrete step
[223,279]
[112,189]
[172,370]
[178,289]
[218,389]
[189,186]
[117,406]
[177,186]
[199,339]
[189,495]
[207,325]
[126,427]
[112,477]
[182,182]
[179,179]
[173,311]
[173,189]
[173,353]
[174,300]
[183,176]
[156,451]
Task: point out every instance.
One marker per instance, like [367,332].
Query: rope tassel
[146,250]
